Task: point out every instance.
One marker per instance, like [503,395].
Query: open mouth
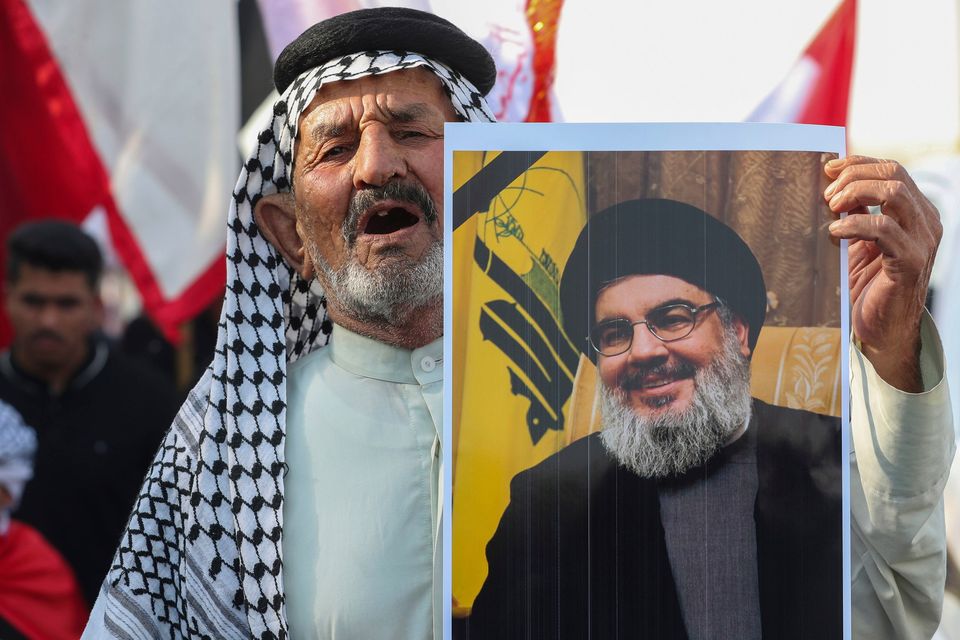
[651,383]
[656,394]
[659,387]
[658,379]
[657,383]
[389,220]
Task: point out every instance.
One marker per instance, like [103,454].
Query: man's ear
[743,336]
[277,220]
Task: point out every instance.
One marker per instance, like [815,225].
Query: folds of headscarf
[201,554]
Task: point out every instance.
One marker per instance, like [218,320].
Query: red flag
[48,165]
[543,17]
[817,89]
[105,113]
[39,594]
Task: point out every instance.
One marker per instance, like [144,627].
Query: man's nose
[645,346]
[379,159]
[49,316]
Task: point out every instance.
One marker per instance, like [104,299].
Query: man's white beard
[674,441]
[389,293]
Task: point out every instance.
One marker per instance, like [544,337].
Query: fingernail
[834,200]
[830,189]
[834,163]
[834,225]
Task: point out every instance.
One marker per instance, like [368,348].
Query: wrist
[897,362]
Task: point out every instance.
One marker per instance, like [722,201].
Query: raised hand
[890,260]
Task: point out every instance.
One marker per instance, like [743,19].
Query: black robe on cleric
[580,550]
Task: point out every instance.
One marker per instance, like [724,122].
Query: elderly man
[697,512]
[332,455]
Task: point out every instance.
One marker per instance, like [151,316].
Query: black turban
[659,237]
[386,29]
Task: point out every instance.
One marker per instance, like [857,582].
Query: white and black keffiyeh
[18,443]
[201,556]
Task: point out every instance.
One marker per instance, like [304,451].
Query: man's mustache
[638,377]
[409,192]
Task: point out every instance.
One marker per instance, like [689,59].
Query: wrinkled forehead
[395,73]
[273,158]
[401,95]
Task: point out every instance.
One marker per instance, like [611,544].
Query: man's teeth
[656,383]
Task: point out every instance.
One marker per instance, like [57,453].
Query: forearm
[904,444]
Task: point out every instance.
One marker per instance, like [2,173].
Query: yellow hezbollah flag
[513,366]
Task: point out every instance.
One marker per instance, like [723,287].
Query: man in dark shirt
[99,418]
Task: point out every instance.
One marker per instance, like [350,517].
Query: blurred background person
[99,417]
[39,595]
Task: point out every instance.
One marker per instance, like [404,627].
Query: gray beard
[389,294]
[672,442]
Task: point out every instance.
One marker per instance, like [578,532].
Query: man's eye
[334,152]
[672,318]
[614,333]
[409,134]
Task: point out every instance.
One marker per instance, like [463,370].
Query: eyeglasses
[669,323]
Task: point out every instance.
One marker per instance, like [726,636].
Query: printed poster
[646,390]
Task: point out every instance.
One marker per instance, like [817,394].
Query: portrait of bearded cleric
[673,396]
[690,484]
